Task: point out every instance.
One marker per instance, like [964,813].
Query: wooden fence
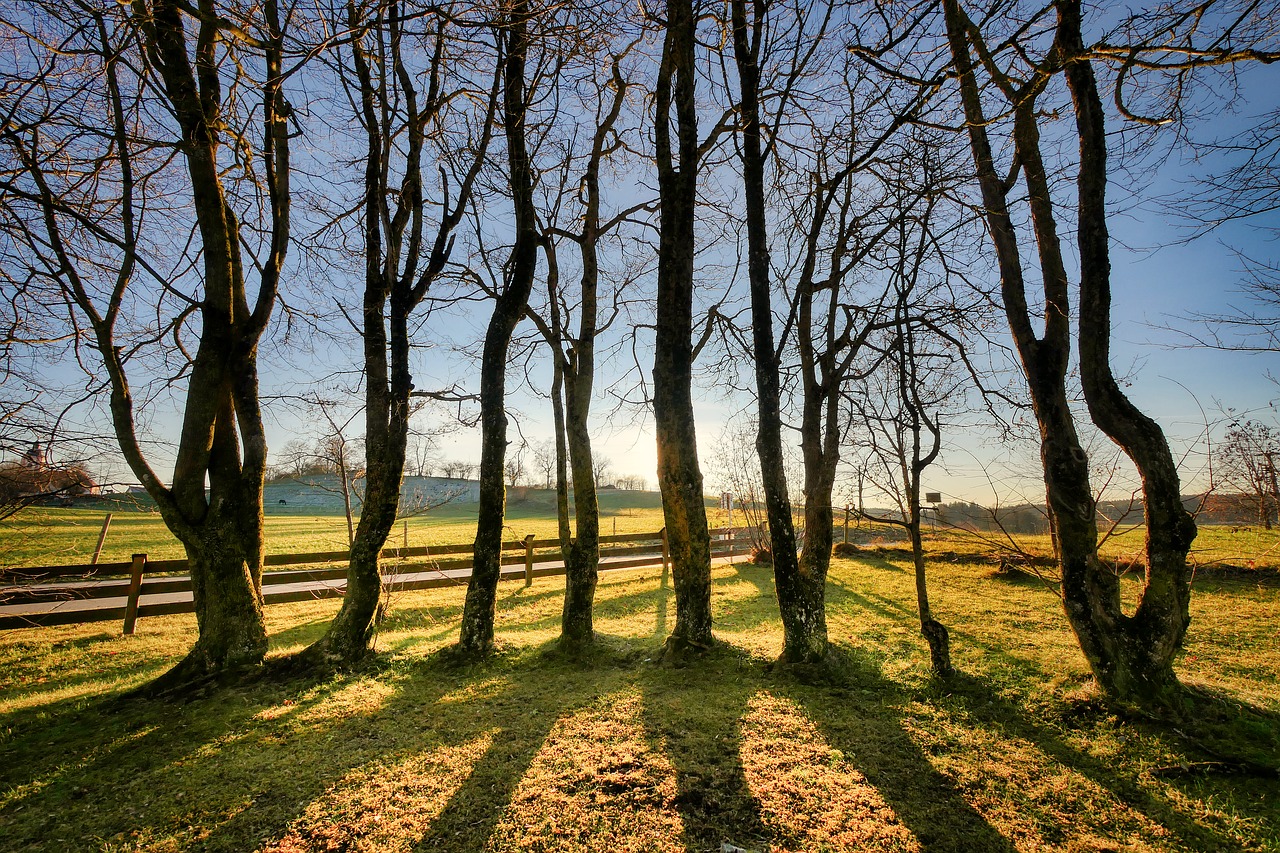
[65,595]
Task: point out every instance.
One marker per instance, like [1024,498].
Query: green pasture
[531,752]
[59,536]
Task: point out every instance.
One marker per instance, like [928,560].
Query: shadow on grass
[304,633]
[271,760]
[702,741]
[987,707]
[894,611]
[863,721]
[244,764]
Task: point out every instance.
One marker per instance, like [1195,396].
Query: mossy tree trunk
[399,270]
[1131,657]
[1141,663]
[679,474]
[214,503]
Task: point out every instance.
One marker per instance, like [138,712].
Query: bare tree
[512,30]
[402,107]
[544,460]
[679,474]
[600,94]
[899,406]
[36,480]
[1245,463]
[93,224]
[514,468]
[1131,656]
[802,604]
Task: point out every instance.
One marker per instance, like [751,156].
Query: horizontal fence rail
[128,591]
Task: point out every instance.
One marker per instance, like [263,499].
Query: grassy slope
[531,753]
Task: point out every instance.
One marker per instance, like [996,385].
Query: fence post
[102,538]
[846,524]
[528,560]
[135,586]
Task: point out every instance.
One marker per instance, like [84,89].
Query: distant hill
[321,493]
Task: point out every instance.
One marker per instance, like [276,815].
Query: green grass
[531,752]
[57,536]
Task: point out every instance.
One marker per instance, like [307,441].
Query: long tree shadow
[989,708]
[468,821]
[983,704]
[867,727]
[438,761]
[72,771]
[702,741]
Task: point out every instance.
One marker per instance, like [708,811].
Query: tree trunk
[479,609]
[933,631]
[679,475]
[582,559]
[222,447]
[802,597]
[1143,665]
[1131,658]
[226,590]
[803,617]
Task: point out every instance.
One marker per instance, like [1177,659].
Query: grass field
[56,536]
[531,752]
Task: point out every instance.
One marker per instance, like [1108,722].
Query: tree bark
[479,609]
[802,606]
[1142,664]
[679,475]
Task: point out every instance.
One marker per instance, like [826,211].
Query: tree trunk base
[463,656]
[935,633]
[329,654]
[576,646]
[826,670]
[681,651]
[197,672]
[1131,685]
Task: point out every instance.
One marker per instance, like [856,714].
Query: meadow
[616,753]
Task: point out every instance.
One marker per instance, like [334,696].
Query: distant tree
[22,485]
[1246,463]
[295,459]
[734,466]
[632,482]
[601,470]
[457,469]
[544,460]
[421,458]
[514,468]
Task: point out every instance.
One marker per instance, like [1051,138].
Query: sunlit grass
[58,536]
[533,752]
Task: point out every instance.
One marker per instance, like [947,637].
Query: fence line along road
[107,592]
